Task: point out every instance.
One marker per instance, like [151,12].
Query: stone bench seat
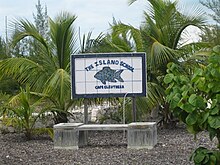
[72,135]
[102,127]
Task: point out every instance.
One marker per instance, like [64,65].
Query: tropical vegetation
[49,72]
[195,99]
[182,78]
[161,39]
[24,110]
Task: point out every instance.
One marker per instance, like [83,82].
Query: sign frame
[142,55]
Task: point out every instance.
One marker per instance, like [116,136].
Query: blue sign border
[107,95]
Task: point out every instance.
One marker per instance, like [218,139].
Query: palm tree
[49,71]
[159,36]
[211,35]
[164,27]
[21,108]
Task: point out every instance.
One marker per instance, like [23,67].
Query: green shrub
[20,113]
[195,100]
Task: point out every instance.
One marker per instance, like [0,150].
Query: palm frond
[160,55]
[125,38]
[88,44]
[58,86]
[63,36]
[25,28]
[130,2]
[155,94]
[169,29]
[130,33]
[23,70]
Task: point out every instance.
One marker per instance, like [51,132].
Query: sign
[108,75]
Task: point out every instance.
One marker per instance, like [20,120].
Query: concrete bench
[72,135]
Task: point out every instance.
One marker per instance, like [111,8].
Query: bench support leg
[142,135]
[83,138]
[66,136]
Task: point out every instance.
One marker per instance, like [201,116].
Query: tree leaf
[214,111]
[214,121]
[192,99]
[216,49]
[184,79]
[199,157]
[197,101]
[206,160]
[212,132]
[198,71]
[211,85]
[216,87]
[212,160]
[185,94]
[218,97]
[213,103]
[203,117]
[191,119]
[188,107]
[201,84]
[168,78]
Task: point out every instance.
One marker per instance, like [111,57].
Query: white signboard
[108,75]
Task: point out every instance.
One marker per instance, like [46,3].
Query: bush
[195,100]
[21,109]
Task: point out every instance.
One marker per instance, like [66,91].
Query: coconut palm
[159,36]
[211,35]
[21,109]
[164,27]
[49,71]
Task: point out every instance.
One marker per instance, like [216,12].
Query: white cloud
[97,14]
[92,15]
[191,35]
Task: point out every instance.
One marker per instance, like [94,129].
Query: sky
[92,15]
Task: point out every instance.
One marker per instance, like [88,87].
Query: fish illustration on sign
[108,74]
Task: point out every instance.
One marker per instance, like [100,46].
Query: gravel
[105,148]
